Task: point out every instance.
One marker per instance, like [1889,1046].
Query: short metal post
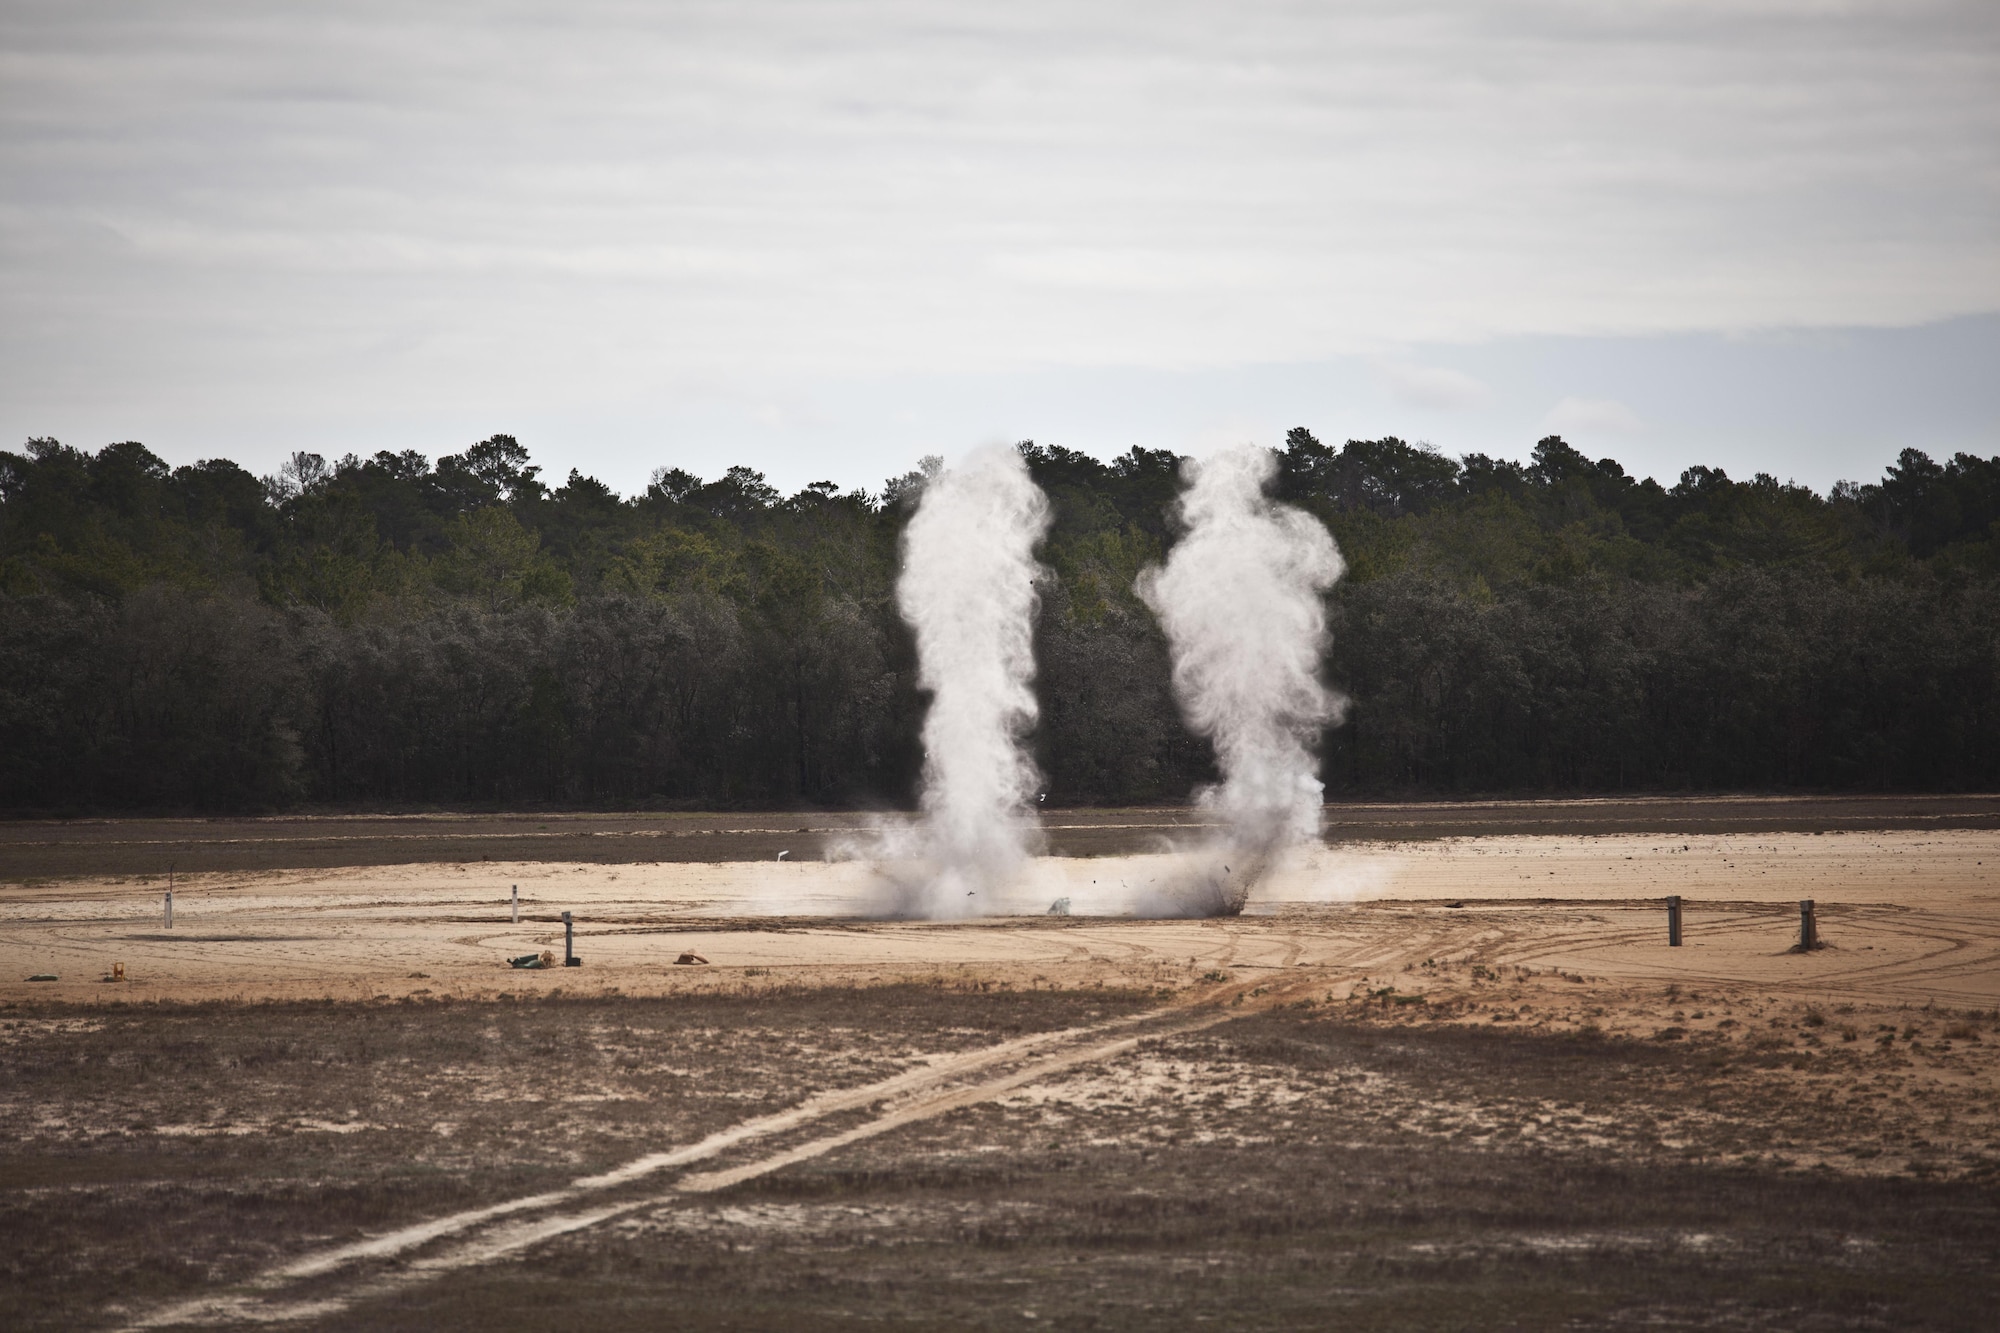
[517,904]
[1674,921]
[1808,926]
[569,943]
[170,909]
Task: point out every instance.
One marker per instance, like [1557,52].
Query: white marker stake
[517,904]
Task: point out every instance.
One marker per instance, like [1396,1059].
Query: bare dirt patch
[61,848]
[1412,1165]
[1446,1082]
[150,1150]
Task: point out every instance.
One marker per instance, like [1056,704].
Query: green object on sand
[44,976]
[528,960]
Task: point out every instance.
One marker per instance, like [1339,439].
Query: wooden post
[517,904]
[170,909]
[1808,926]
[1674,920]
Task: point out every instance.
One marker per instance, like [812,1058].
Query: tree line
[390,631]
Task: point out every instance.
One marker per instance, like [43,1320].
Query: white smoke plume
[968,592]
[1239,599]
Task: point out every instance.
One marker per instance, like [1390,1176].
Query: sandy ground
[1485,1023]
[1909,917]
[61,848]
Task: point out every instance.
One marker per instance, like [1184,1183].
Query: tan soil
[42,848]
[1547,1023]
[1909,917]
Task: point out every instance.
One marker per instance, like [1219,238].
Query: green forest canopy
[386,631]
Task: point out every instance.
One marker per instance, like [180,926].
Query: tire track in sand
[916,1095]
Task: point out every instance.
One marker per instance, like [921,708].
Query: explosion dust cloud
[967,591]
[1239,599]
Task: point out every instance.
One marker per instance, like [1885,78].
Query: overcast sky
[825,238]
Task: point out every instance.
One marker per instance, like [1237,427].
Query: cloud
[1131,269]
[1591,416]
[1432,386]
[263,207]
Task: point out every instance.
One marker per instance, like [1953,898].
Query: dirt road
[32,849]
